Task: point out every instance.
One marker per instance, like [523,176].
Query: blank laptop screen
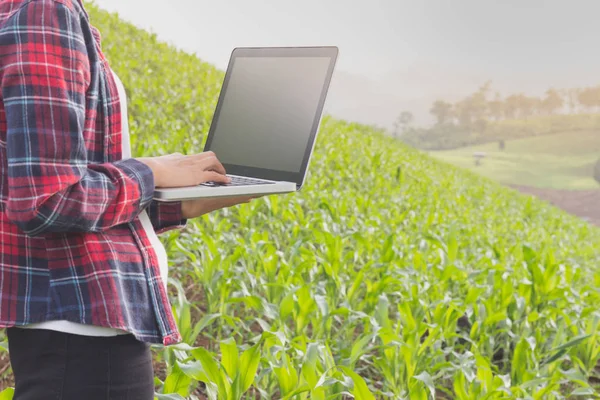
[268,111]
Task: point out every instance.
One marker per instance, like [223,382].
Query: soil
[6,379]
[582,203]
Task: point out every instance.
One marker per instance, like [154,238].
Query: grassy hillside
[559,161]
[391,275]
[450,136]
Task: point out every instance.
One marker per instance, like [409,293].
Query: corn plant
[390,275]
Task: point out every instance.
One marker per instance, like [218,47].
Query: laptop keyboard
[238,181]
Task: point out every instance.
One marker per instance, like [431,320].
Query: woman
[82,273]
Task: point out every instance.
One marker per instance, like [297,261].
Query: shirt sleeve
[166,216]
[45,73]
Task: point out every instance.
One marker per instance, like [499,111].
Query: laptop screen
[268,108]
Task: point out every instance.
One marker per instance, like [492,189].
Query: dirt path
[583,203]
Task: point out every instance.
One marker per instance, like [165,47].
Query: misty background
[396,55]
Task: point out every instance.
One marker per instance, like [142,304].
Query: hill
[558,161]
[390,274]
[450,136]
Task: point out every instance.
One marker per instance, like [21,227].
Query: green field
[452,136]
[391,275]
[558,161]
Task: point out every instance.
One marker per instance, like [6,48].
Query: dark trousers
[50,365]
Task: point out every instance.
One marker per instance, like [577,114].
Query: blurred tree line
[467,121]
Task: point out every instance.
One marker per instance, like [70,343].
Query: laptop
[266,121]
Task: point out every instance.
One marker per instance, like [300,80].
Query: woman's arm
[173,215]
[166,216]
[51,186]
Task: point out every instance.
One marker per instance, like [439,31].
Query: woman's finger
[212,164]
[206,154]
[213,176]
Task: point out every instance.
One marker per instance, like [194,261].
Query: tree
[464,113]
[571,96]
[473,109]
[406,118]
[479,101]
[552,102]
[511,106]
[590,98]
[496,108]
[480,125]
[470,110]
[442,111]
[403,121]
[527,106]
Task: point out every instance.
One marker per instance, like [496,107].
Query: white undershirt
[92,330]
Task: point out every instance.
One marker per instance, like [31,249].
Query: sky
[395,54]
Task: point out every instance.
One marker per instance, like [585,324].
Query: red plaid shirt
[71,244]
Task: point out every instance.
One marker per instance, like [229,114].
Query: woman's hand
[196,208]
[177,170]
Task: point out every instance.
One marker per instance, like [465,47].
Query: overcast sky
[409,50]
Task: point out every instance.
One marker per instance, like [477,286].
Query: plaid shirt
[71,244]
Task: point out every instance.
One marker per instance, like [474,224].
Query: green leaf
[181,346]
[286,307]
[417,392]
[249,366]
[428,381]
[194,370]
[382,311]
[287,376]
[309,372]
[7,394]
[555,357]
[157,396]
[213,391]
[323,306]
[212,370]
[459,385]
[573,342]
[177,382]
[358,349]
[452,246]
[361,390]
[356,284]
[520,361]
[203,323]
[563,349]
[576,376]
[230,357]
[253,302]
[495,318]
[309,367]
[302,389]
[585,391]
